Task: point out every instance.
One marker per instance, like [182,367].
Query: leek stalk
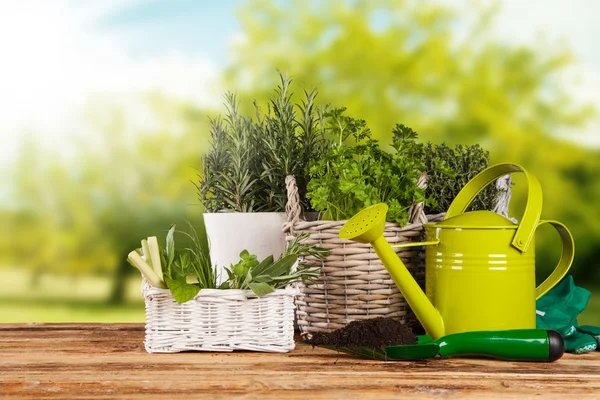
[136,260]
[146,253]
[155,256]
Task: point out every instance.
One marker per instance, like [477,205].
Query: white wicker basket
[219,320]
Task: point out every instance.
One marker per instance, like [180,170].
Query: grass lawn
[591,315]
[65,299]
[14,311]
[69,299]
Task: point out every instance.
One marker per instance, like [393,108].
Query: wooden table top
[109,361]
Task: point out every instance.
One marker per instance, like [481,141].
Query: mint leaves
[181,290]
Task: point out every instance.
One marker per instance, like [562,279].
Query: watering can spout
[367,227]
[417,300]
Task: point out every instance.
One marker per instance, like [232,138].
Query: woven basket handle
[293,209]
[416,214]
[504,184]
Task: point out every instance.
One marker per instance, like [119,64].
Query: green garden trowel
[510,345]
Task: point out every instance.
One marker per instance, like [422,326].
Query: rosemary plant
[229,179]
[280,145]
[246,166]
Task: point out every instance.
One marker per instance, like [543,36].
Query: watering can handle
[533,209]
[566,259]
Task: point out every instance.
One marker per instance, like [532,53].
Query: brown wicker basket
[354,284]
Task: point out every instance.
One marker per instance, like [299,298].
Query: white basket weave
[219,320]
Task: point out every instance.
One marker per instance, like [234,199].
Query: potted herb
[449,168]
[242,181]
[355,172]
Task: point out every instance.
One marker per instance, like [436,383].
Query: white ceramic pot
[230,233]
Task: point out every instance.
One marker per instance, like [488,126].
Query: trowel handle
[512,345]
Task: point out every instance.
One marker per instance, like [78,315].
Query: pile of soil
[374,333]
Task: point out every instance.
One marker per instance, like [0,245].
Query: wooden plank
[108,361]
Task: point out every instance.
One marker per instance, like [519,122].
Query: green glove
[580,343]
[558,309]
[593,331]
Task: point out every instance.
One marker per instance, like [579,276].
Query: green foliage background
[416,70]
[82,214]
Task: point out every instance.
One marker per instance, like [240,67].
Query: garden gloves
[558,310]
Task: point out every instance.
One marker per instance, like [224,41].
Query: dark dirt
[374,333]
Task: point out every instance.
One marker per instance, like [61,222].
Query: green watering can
[480,266]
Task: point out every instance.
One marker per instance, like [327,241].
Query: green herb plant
[248,161]
[188,271]
[230,177]
[291,138]
[263,277]
[449,169]
[355,172]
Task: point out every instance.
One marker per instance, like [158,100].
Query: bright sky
[54,54]
[572,22]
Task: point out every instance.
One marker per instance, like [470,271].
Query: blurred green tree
[84,214]
[427,66]
[439,70]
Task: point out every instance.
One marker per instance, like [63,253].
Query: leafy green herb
[261,288]
[169,253]
[267,275]
[200,254]
[187,271]
[181,290]
[191,263]
[230,179]
[297,246]
[355,172]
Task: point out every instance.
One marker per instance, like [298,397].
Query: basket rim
[224,294]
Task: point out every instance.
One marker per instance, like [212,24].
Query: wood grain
[99,361]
